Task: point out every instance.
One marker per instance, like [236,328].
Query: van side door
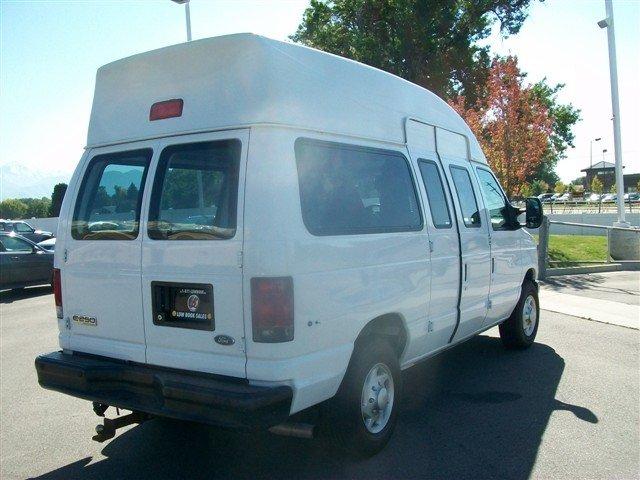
[474,233]
[444,245]
[506,271]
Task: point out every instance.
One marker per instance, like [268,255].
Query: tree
[56,199]
[559,188]
[596,185]
[37,207]
[613,188]
[510,122]
[539,186]
[563,118]
[13,208]
[432,43]
[525,190]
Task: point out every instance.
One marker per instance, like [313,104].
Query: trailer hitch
[108,429]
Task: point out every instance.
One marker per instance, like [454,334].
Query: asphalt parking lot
[566,408]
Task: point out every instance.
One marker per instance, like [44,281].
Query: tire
[344,420]
[520,329]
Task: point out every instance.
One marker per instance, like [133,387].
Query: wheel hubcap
[529,315]
[377,398]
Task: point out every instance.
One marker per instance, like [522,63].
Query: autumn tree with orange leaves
[511,123]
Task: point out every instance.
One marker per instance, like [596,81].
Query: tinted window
[12,244]
[108,205]
[23,228]
[435,194]
[349,190]
[466,196]
[494,199]
[195,192]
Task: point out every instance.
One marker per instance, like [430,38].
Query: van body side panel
[340,282]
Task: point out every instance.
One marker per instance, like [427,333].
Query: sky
[50,51]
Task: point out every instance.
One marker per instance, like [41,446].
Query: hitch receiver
[108,429]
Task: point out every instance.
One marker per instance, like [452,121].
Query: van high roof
[244,79]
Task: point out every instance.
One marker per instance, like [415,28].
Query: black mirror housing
[533,212]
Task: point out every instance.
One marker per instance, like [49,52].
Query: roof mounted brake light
[166,109]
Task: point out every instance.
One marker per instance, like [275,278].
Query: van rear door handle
[465,272]
[15,257]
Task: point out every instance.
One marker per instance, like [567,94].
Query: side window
[466,197]
[23,228]
[13,244]
[495,201]
[195,192]
[108,204]
[347,190]
[435,194]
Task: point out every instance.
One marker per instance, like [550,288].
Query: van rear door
[192,254]
[101,254]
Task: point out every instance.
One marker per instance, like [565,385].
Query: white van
[258,227]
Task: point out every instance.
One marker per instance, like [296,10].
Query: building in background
[606,173]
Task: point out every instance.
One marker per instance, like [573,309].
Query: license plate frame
[183,305]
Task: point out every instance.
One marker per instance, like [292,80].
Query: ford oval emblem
[225,340]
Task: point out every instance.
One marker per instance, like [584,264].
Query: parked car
[545,197]
[23,263]
[632,197]
[565,197]
[594,198]
[555,197]
[609,197]
[48,245]
[295,293]
[25,230]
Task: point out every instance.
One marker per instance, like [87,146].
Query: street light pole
[187,13]
[608,23]
[591,150]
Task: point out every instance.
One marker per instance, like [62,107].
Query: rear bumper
[171,393]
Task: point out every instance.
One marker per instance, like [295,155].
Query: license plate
[183,305]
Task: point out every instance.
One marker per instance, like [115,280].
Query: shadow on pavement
[10,296]
[476,411]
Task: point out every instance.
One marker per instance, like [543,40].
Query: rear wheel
[520,329]
[361,417]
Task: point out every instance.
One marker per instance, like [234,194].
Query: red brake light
[167,109]
[272,309]
[57,291]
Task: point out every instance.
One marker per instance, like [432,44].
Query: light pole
[608,23]
[591,150]
[187,14]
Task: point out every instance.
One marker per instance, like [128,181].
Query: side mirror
[533,212]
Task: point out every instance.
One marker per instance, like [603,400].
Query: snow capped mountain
[18,181]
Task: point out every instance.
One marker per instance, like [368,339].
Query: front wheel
[520,329]
[361,417]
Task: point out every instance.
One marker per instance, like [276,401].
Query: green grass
[566,249]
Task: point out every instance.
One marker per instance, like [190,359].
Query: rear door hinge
[66,255]
[240,259]
[431,246]
[489,304]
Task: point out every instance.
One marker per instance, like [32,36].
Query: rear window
[195,192]
[108,204]
[466,197]
[346,190]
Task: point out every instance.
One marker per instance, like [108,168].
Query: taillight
[166,109]
[57,291]
[272,309]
